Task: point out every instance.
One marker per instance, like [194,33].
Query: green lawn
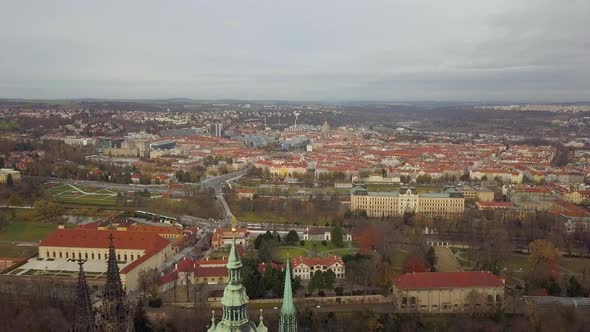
[310,245]
[575,264]
[341,252]
[27,231]
[398,257]
[24,231]
[72,194]
[311,249]
[12,250]
[282,253]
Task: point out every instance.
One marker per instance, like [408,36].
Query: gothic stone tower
[116,315]
[84,319]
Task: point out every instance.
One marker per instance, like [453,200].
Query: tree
[140,321]
[267,248]
[328,278]
[431,258]
[9,181]
[415,263]
[15,200]
[544,256]
[316,282]
[336,235]
[405,179]
[574,288]
[292,237]
[425,178]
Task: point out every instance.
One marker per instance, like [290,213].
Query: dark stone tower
[84,319]
[116,315]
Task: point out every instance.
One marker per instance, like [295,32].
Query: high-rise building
[216,129]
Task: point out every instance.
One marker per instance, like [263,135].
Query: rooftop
[428,280]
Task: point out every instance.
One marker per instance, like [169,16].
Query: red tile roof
[323,261]
[495,204]
[93,238]
[426,280]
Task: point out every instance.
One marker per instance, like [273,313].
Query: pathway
[446,260]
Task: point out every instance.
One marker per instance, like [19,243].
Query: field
[517,265]
[26,231]
[67,193]
[312,249]
[12,250]
[282,253]
[21,228]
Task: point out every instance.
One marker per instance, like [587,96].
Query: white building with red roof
[223,237]
[304,267]
[136,251]
[448,291]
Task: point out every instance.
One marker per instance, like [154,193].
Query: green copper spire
[234,300]
[288,321]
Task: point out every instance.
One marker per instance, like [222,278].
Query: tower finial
[261,326]
[212,327]
[234,223]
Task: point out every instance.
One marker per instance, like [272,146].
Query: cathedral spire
[84,319]
[113,289]
[115,309]
[288,320]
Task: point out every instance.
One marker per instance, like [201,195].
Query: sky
[324,50]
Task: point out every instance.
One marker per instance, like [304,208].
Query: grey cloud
[395,50]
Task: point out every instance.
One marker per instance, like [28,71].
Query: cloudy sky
[475,50]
